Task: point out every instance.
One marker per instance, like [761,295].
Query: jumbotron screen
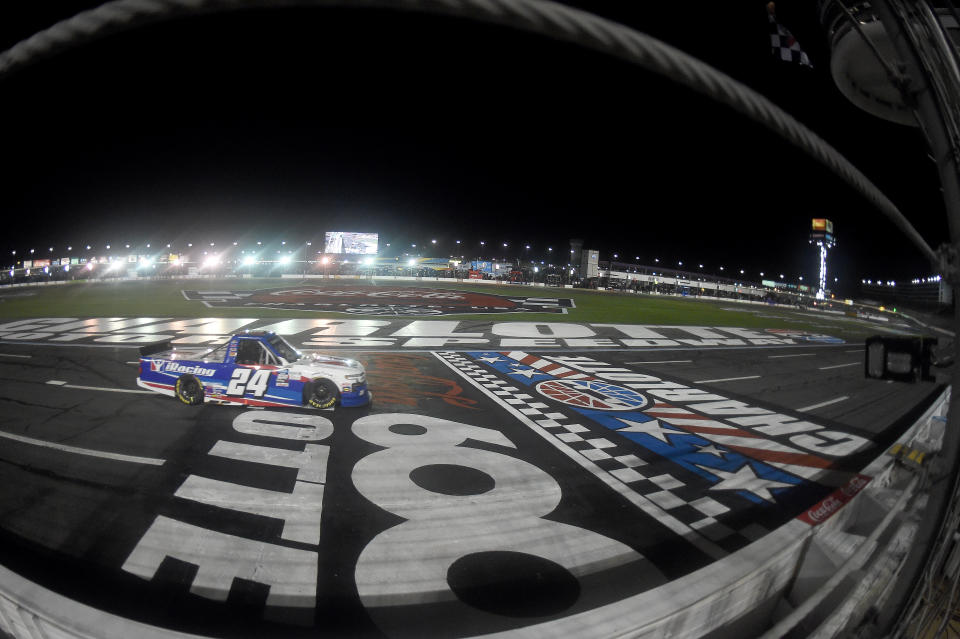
[346,242]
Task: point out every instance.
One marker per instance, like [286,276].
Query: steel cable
[541,17]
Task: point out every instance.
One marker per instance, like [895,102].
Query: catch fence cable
[541,17]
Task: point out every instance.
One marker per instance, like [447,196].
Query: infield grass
[163,298]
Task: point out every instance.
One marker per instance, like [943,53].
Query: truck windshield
[283,348]
[216,355]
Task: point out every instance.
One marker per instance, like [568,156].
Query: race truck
[254,368]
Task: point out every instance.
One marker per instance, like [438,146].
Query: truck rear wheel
[323,393]
[188,390]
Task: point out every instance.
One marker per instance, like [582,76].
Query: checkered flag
[782,43]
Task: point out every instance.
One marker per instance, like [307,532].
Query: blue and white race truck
[255,368]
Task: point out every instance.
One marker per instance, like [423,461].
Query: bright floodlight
[368,261]
[411,262]
[211,261]
[284,259]
[324,260]
[249,260]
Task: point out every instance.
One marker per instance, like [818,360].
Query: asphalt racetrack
[482,491]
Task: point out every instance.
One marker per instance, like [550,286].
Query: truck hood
[327,364]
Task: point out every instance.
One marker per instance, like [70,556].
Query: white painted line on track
[725,379]
[822,404]
[137,362]
[826,368]
[666,361]
[12,355]
[57,382]
[856,350]
[638,500]
[84,451]
[797,355]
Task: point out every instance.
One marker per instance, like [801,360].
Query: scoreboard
[822,232]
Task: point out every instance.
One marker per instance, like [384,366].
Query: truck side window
[264,356]
[248,352]
[268,357]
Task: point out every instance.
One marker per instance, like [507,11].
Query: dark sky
[284,124]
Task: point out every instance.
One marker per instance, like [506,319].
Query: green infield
[165,298]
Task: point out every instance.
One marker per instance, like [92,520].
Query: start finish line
[401,334]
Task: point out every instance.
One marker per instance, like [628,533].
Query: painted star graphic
[651,428]
[528,373]
[745,479]
[490,360]
[710,449]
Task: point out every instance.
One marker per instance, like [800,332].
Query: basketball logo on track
[591,394]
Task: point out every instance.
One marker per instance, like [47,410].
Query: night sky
[267,125]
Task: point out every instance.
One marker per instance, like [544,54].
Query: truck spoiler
[156,347]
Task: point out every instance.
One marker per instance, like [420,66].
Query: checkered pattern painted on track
[616,457]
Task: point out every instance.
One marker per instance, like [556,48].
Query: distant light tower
[823,238]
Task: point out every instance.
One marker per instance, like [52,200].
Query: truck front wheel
[323,393]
